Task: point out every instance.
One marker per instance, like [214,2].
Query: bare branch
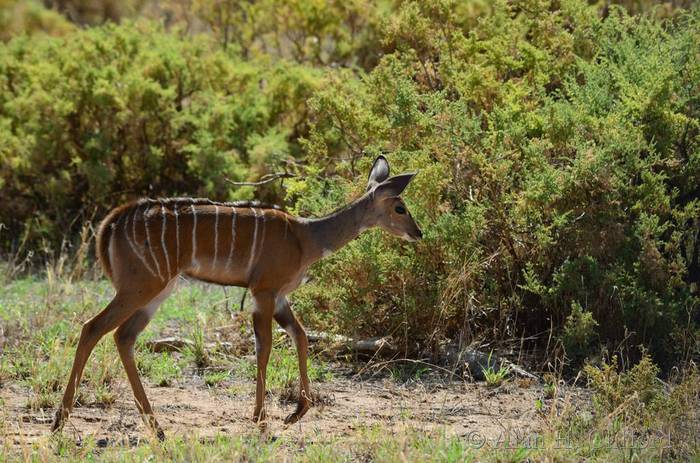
[265,179]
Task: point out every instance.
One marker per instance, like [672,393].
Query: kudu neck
[337,229]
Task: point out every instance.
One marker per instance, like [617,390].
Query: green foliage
[558,144]
[557,158]
[162,369]
[113,112]
[613,389]
[283,369]
[317,32]
[215,378]
[198,351]
[495,377]
[30,17]
[637,402]
[578,334]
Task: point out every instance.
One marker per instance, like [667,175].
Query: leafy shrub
[564,183]
[578,334]
[110,113]
[637,403]
[613,389]
[30,17]
[556,152]
[558,144]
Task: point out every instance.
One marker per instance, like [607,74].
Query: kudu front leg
[286,319]
[262,326]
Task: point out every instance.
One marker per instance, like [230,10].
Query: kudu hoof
[151,422]
[259,416]
[59,419]
[298,413]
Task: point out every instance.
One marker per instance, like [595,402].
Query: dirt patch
[193,408]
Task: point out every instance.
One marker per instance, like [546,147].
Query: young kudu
[144,246]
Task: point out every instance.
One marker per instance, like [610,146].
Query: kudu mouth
[413,236]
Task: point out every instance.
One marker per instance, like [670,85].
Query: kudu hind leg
[125,338]
[122,306]
[287,320]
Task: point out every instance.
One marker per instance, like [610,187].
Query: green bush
[636,406]
[30,17]
[111,113]
[558,145]
[579,332]
[559,165]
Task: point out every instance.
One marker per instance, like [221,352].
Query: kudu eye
[400,209]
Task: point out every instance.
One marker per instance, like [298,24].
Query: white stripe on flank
[149,243]
[126,232]
[262,235]
[216,234]
[233,238]
[254,250]
[255,242]
[162,239]
[177,238]
[194,236]
[129,240]
[262,232]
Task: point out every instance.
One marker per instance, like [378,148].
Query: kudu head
[388,209]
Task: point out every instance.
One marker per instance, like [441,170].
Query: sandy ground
[348,403]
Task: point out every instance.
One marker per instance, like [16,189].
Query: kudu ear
[395,185]
[379,172]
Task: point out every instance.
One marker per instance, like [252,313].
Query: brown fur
[104,234]
[107,226]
